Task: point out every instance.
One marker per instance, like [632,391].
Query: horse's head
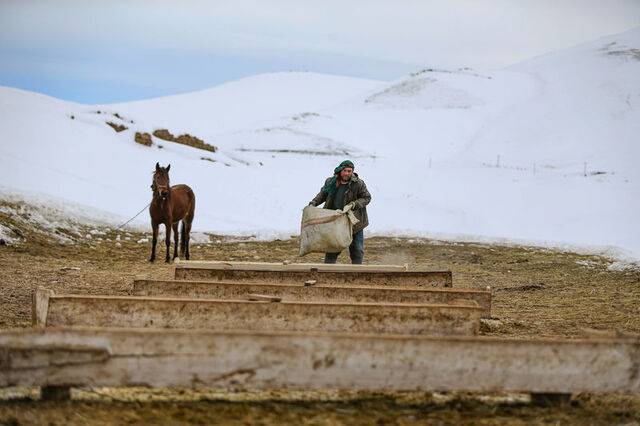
[161,183]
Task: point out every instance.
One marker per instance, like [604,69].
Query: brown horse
[169,205]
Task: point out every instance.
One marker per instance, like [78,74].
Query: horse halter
[160,188]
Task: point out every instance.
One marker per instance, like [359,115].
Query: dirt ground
[536,292]
[366,410]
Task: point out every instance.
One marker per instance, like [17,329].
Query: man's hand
[312,204]
[350,206]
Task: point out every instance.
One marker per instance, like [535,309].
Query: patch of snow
[423,93]
[544,151]
[199,238]
[622,266]
[587,263]
[8,236]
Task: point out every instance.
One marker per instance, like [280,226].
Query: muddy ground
[537,292]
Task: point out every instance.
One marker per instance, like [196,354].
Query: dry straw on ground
[537,293]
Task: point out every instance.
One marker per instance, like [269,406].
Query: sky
[116,51]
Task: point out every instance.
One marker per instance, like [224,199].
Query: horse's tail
[186,224]
[183,238]
[192,208]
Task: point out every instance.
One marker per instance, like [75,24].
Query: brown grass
[537,292]
[360,409]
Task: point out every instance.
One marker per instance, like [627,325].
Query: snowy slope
[444,152]
[66,150]
[548,120]
[245,103]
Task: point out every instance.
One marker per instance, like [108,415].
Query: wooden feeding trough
[311,292]
[298,273]
[59,358]
[51,310]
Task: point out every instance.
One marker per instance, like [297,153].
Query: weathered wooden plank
[286,266]
[321,273]
[462,318]
[250,360]
[40,305]
[313,293]
[263,298]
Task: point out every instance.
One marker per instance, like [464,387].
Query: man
[346,189]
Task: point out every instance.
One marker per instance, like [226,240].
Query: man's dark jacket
[356,191]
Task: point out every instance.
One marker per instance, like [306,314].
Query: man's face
[346,173]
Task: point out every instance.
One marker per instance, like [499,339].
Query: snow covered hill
[543,151]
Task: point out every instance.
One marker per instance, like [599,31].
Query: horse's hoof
[152,259]
[167,261]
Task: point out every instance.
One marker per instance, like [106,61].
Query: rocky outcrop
[164,134]
[117,127]
[143,139]
[185,139]
[195,142]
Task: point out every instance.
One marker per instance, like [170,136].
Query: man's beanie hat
[342,166]
[331,186]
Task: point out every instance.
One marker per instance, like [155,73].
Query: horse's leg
[186,223]
[167,241]
[182,239]
[154,240]
[187,236]
[175,240]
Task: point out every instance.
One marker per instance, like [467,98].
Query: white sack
[325,231]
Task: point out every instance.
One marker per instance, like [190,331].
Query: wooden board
[321,273]
[462,318]
[251,360]
[285,266]
[311,293]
